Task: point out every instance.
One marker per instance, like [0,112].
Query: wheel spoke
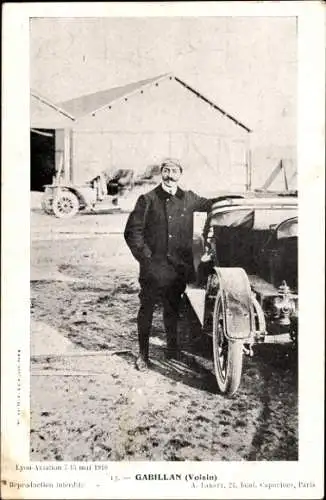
[65,205]
[221,344]
[224,357]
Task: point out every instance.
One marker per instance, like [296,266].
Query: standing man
[159,233]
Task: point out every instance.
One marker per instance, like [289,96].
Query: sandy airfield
[89,403]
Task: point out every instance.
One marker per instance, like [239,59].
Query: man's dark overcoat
[159,231]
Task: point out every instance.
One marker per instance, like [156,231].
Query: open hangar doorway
[42,158]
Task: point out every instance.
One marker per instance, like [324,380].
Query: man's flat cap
[171,162]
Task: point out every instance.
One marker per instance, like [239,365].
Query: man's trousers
[168,290]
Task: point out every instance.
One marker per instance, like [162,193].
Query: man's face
[170,175]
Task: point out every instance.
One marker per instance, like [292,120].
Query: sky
[247,65]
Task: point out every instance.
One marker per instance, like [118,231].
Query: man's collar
[164,194]
[170,191]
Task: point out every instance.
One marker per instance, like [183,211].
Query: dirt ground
[88,402]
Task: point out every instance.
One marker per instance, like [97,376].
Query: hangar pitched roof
[90,103]
[51,104]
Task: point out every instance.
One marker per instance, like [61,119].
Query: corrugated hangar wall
[163,120]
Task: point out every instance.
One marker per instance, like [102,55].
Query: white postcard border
[16,261]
